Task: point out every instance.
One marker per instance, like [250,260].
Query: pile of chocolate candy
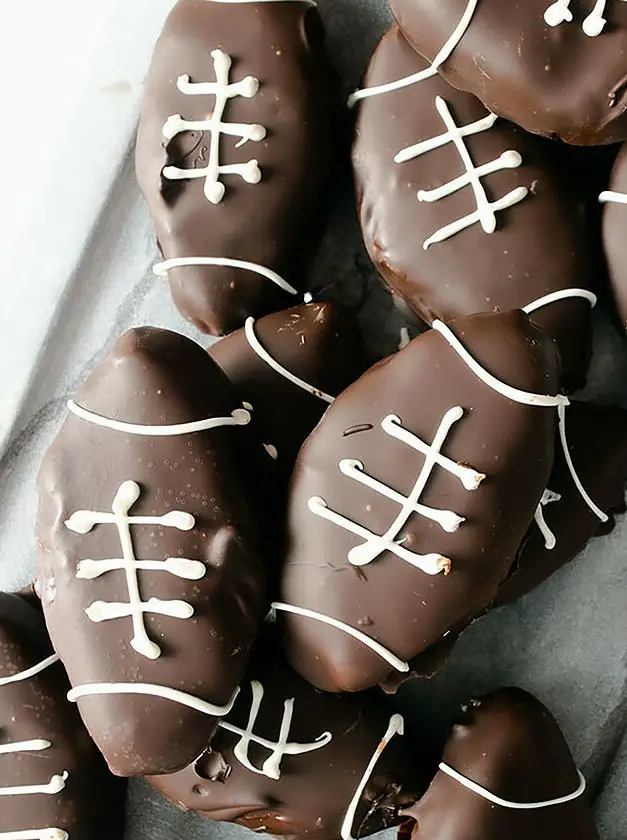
[238,549]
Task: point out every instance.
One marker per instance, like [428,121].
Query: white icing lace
[593,25]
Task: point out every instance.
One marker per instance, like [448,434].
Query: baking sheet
[64,303]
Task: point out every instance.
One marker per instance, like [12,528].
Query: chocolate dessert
[289,367]
[240,134]
[290,760]
[150,569]
[410,499]
[475,222]
[506,774]
[54,785]
[614,201]
[555,67]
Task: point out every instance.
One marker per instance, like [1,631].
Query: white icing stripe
[395,727]
[35,834]
[374,544]
[83,521]
[384,653]
[30,672]
[612,196]
[54,786]
[548,498]
[571,467]
[151,690]
[593,25]
[485,214]
[559,401]
[445,53]
[239,417]
[161,269]
[504,803]
[507,391]
[37,745]
[263,354]
[272,765]
[223,90]
[563,294]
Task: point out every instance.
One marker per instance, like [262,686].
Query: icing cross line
[548,498]
[560,12]
[162,269]
[259,349]
[223,90]
[272,765]
[83,521]
[22,676]
[374,545]
[486,211]
[396,726]
[612,196]
[504,803]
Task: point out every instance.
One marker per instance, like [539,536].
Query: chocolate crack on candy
[151,570]
[565,523]
[507,772]
[290,366]
[290,760]
[240,134]
[402,533]
[555,68]
[462,212]
[54,784]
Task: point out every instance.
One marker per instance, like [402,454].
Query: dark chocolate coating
[558,82]
[540,244]
[153,377]
[272,223]
[510,744]
[318,342]
[315,789]
[401,606]
[597,441]
[614,238]
[90,806]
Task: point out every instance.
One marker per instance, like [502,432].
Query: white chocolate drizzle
[272,765]
[151,690]
[161,269]
[396,726]
[239,417]
[486,211]
[447,50]
[525,398]
[504,803]
[548,498]
[83,521]
[562,294]
[612,196]
[56,783]
[223,90]
[29,673]
[559,12]
[391,658]
[374,545]
[263,354]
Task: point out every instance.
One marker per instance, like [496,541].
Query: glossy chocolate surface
[274,222]
[153,377]
[401,606]
[540,243]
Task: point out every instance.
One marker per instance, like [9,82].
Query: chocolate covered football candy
[462,212]
[239,136]
[614,200]
[54,785]
[289,367]
[150,569]
[506,774]
[568,518]
[410,499]
[290,760]
[555,67]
